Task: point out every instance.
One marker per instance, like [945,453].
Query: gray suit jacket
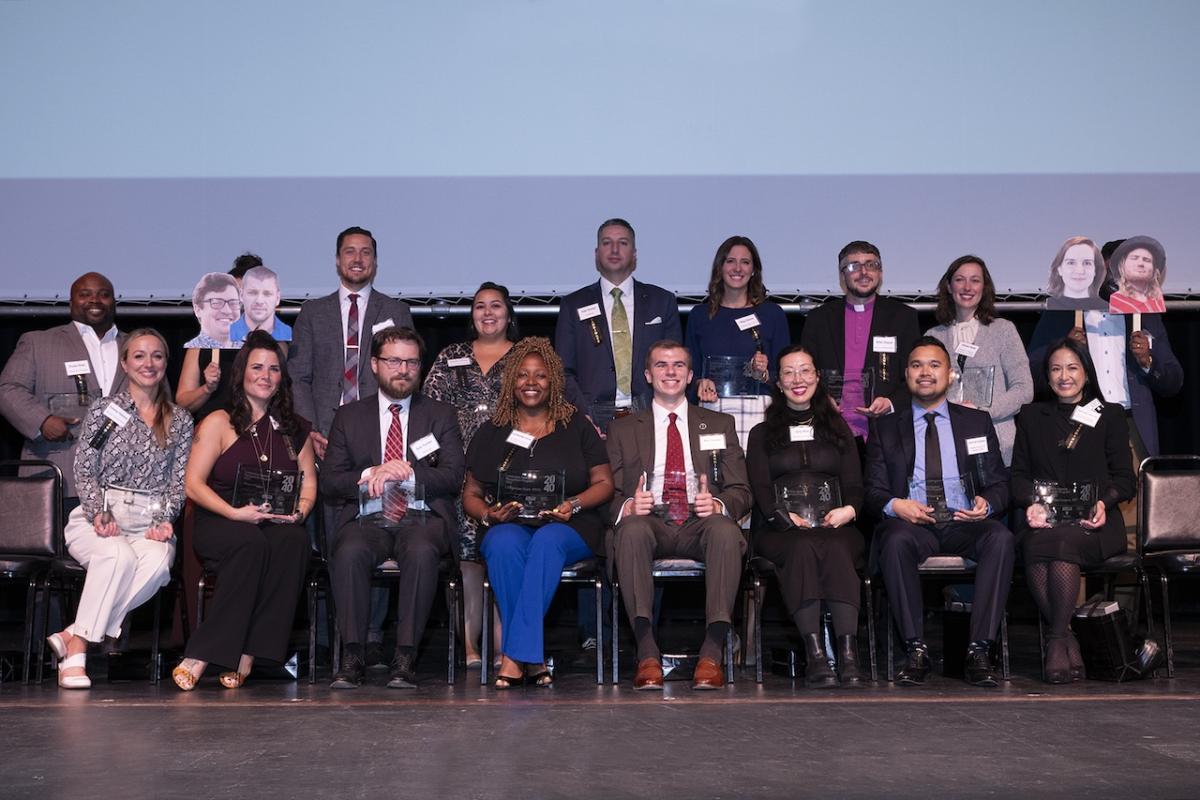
[317,357]
[631,452]
[36,370]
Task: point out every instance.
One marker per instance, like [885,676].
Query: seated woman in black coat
[1072,438]
[803,436]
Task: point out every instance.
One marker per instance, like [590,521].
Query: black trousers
[360,547]
[260,572]
[902,546]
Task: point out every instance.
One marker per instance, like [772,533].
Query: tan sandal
[183,678]
[232,680]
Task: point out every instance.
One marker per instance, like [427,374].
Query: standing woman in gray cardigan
[976,337]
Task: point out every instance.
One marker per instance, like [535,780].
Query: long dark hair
[510,331]
[279,407]
[985,312]
[1092,390]
[828,425]
[756,293]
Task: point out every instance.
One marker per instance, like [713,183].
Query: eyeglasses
[868,266]
[413,364]
[802,374]
[217,303]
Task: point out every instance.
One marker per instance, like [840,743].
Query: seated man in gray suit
[699,521]
[395,435]
[75,362]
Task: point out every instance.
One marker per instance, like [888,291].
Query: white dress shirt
[661,423]
[1106,343]
[626,286]
[103,353]
[385,425]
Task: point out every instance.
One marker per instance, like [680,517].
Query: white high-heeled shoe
[73,681]
[58,645]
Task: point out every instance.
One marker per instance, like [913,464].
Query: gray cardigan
[1000,346]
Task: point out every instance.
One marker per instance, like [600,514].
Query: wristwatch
[576,505]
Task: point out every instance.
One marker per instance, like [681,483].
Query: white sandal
[73,681]
[57,644]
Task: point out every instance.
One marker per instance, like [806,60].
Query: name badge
[966,349]
[1086,415]
[78,367]
[378,326]
[747,322]
[883,344]
[712,441]
[587,312]
[465,361]
[117,414]
[424,446]
[801,433]
[520,439]
[977,445]
[859,307]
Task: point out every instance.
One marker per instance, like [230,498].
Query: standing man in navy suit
[605,329]
[935,442]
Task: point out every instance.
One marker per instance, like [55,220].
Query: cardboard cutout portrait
[1138,267]
[1076,275]
[217,301]
[260,299]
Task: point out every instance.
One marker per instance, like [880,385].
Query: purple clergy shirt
[858,337]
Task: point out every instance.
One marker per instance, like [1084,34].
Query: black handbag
[1111,650]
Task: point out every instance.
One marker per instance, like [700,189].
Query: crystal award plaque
[683,486]
[728,374]
[69,405]
[535,489]
[809,498]
[1066,502]
[974,385]
[852,383]
[136,510]
[603,412]
[401,503]
[274,491]
[945,496]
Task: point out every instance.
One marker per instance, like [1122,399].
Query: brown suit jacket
[631,452]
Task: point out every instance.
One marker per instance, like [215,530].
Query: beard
[397,390]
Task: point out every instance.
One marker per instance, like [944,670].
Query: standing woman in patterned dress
[135,439]
[467,375]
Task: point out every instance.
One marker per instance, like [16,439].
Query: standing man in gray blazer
[330,365]
[79,358]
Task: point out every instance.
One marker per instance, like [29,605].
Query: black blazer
[590,372]
[1102,455]
[824,336]
[354,445]
[891,453]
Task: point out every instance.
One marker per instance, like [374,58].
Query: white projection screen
[154,141]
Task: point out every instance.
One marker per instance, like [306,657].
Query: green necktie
[622,345]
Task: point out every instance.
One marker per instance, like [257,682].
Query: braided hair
[506,406]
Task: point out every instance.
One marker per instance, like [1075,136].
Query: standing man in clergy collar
[77,360]
[862,331]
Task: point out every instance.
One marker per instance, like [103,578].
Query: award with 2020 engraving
[853,382]
[1066,502]
[537,490]
[809,498]
[274,491]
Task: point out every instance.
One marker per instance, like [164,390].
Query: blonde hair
[506,406]
[163,408]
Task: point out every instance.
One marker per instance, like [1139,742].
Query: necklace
[263,457]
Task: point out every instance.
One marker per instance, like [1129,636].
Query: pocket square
[655,321]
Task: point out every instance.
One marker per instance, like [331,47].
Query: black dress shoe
[403,676]
[916,668]
[373,656]
[350,675]
[977,670]
[817,672]
[848,673]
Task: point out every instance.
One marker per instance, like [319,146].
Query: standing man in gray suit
[328,370]
[78,359]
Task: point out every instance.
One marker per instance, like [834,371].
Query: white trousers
[123,571]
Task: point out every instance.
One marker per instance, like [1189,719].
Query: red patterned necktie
[350,376]
[674,485]
[394,501]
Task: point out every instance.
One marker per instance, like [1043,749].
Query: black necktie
[933,450]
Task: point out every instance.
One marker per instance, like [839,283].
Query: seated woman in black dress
[1074,437]
[260,556]
[534,428]
[803,436]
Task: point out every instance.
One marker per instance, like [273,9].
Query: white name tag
[117,414]
[78,367]
[712,441]
[520,439]
[883,344]
[378,326]
[587,312]
[747,322]
[977,445]
[801,433]
[465,361]
[859,307]
[966,349]
[424,446]
[1086,415]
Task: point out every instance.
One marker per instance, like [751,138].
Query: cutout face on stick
[1076,275]
[1138,267]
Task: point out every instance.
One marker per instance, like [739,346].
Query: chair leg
[760,591]
[312,630]
[598,584]
[1167,625]
[41,643]
[451,626]
[31,597]
[1042,644]
[485,637]
[185,623]
[1004,646]
[891,633]
[869,591]
[155,637]
[729,655]
[616,603]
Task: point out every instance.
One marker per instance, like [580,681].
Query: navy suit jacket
[891,454]
[1165,377]
[591,374]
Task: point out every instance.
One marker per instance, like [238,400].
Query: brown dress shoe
[708,675]
[649,675]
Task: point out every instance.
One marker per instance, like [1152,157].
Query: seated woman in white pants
[134,440]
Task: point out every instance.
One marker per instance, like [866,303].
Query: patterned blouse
[131,456]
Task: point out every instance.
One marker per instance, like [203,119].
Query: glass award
[679,486]
[728,374]
[945,496]
[401,503]
[537,490]
[974,385]
[274,491]
[809,498]
[136,510]
[603,412]
[1066,502]
[853,383]
[69,405]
